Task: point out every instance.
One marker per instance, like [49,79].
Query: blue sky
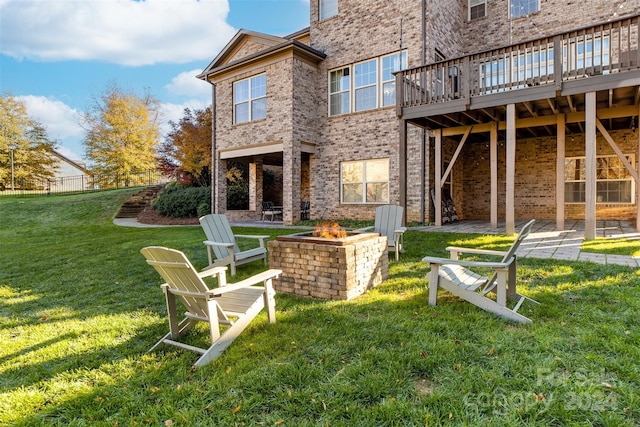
[56,56]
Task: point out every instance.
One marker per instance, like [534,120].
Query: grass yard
[80,308]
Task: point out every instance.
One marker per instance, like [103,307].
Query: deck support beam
[402,160]
[560,153]
[511,169]
[493,166]
[438,177]
[590,166]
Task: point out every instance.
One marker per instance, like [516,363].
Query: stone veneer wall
[327,271]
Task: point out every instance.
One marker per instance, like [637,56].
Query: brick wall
[535,178]
[553,17]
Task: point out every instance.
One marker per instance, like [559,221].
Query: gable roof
[272,44]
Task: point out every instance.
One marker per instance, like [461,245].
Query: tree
[25,149]
[121,134]
[186,150]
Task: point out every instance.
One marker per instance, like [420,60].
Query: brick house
[514,108]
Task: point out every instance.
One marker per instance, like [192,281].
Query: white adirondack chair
[241,301]
[455,276]
[222,243]
[388,223]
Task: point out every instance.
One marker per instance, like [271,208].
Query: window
[391,64]
[328,8]
[366,85]
[365,181]
[614,184]
[339,93]
[523,7]
[250,99]
[477,9]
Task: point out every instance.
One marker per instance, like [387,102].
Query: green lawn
[80,308]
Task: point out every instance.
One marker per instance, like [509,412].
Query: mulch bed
[151,216]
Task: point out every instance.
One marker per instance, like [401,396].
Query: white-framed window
[477,9]
[524,7]
[339,91]
[364,181]
[328,8]
[390,64]
[365,85]
[614,184]
[250,99]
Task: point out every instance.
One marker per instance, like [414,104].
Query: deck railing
[597,50]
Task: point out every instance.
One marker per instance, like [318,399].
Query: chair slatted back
[178,273]
[217,229]
[388,219]
[524,232]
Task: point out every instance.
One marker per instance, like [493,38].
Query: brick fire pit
[329,268]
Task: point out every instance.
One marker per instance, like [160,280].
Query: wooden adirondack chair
[241,301]
[223,243]
[388,223]
[455,276]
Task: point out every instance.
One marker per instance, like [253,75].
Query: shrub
[183,202]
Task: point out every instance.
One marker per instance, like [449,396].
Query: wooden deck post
[438,177]
[511,169]
[590,166]
[560,153]
[402,166]
[493,165]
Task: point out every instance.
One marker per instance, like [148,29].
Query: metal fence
[33,187]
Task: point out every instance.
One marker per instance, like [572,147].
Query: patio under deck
[571,83]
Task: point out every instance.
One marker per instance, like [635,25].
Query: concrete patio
[545,241]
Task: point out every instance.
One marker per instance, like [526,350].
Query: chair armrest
[212,271]
[400,230]
[458,250]
[365,228]
[245,236]
[487,264]
[253,280]
[212,243]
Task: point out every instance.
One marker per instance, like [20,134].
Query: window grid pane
[250,99]
[523,7]
[614,184]
[328,8]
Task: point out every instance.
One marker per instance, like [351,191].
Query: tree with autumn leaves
[25,148]
[186,150]
[122,134]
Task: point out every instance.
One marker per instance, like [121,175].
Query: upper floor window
[250,99]
[524,7]
[339,91]
[365,85]
[391,64]
[328,8]
[477,9]
[365,181]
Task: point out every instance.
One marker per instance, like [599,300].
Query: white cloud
[186,84]
[117,31]
[60,120]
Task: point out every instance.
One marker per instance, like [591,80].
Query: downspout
[214,180]
[423,145]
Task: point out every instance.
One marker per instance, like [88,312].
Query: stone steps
[138,202]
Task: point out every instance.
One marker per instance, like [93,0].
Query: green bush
[183,202]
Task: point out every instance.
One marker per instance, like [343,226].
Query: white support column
[493,165]
[511,169]
[438,177]
[638,181]
[560,155]
[590,166]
